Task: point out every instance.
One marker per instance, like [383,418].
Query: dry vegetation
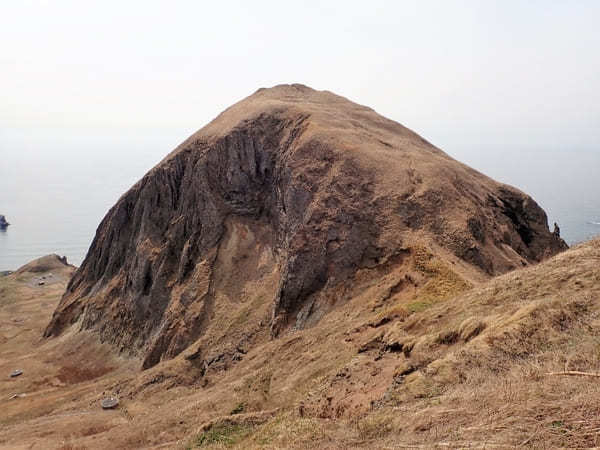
[448,365]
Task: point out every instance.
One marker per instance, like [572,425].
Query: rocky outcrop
[46,264]
[289,193]
[3,222]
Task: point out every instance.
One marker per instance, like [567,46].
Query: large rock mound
[46,264]
[284,198]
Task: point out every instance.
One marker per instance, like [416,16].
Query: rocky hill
[289,204]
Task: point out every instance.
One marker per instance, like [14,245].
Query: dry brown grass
[457,371]
[482,370]
[442,282]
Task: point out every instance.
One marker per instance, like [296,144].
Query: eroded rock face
[287,194]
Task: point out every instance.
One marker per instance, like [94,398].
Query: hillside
[304,273]
[472,370]
[289,205]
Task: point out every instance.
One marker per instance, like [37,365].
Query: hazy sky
[464,74]
[93,94]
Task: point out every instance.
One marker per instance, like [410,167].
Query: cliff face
[281,204]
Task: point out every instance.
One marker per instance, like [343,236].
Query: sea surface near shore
[55,190]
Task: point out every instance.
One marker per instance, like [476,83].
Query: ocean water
[565,182]
[55,190]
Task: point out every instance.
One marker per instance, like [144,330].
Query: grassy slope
[443,364]
[473,371]
[62,381]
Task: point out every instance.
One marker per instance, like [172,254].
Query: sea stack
[3,222]
[289,203]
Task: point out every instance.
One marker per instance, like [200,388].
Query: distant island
[3,222]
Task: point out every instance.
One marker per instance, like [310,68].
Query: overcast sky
[464,74]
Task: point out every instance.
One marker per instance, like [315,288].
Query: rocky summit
[289,204]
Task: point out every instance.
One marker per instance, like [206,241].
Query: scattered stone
[16,373]
[12,397]
[109,403]
[41,283]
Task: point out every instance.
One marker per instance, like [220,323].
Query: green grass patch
[288,431]
[222,435]
[416,307]
[374,426]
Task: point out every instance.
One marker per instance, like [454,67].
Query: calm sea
[54,190]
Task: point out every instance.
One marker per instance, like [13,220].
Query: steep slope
[288,204]
[489,368]
[480,369]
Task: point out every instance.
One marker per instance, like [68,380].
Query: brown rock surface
[288,203]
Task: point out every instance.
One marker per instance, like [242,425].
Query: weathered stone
[109,403]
